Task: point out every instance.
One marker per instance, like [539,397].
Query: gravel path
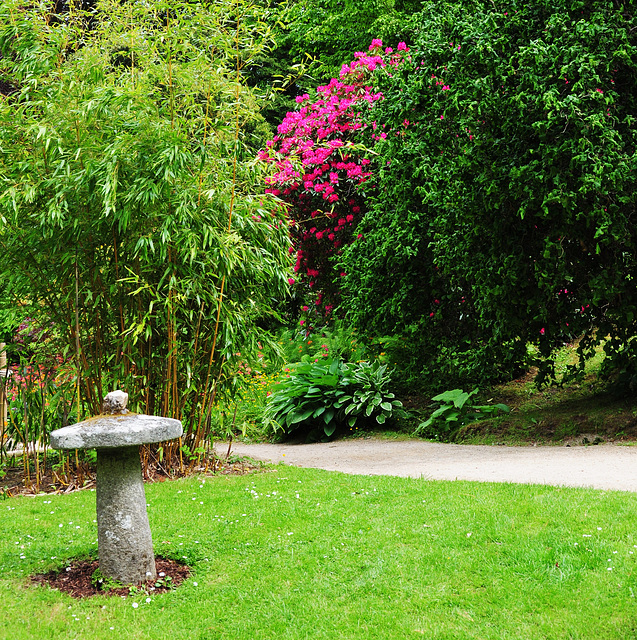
[604,466]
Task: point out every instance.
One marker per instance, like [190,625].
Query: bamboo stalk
[4,398]
[77,335]
[37,467]
[170,72]
[25,460]
[230,212]
[119,297]
[205,135]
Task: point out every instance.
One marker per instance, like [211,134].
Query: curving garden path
[604,466]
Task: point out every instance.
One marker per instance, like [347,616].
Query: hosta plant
[319,397]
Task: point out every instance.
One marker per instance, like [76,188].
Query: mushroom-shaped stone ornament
[124,541]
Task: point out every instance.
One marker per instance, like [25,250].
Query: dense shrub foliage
[320,166]
[504,204]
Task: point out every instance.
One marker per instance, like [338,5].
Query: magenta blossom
[317,173]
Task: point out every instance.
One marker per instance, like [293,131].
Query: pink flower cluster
[27,378]
[319,173]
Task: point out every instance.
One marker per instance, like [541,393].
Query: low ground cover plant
[537,414]
[455,411]
[317,398]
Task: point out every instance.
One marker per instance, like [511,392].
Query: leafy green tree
[504,210]
[132,213]
[313,38]
[328,33]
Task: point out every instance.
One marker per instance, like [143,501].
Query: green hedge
[504,208]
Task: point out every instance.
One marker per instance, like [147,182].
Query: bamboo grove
[133,222]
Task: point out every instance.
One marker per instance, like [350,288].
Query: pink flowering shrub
[320,167]
[24,378]
[39,382]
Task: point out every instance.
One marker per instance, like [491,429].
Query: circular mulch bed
[77,579]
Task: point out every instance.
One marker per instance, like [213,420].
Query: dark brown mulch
[76,579]
[14,482]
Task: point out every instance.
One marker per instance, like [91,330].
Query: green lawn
[296,553]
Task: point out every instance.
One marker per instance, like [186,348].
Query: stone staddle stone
[123,533]
[114,431]
[115,402]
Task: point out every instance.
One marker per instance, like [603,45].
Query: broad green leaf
[329,429]
[449,396]
[350,408]
[300,416]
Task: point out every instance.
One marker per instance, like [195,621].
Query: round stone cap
[119,430]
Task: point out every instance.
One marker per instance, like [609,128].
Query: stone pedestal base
[124,540]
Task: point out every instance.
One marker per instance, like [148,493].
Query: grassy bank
[297,553]
[585,412]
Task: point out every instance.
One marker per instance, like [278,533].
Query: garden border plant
[317,398]
[454,412]
[319,168]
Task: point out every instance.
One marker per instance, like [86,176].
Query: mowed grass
[298,553]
